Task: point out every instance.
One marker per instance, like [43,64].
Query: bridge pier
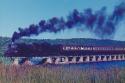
[81,59]
[104,58]
[94,58]
[74,60]
[49,60]
[98,58]
[110,58]
[123,57]
[57,60]
[119,57]
[16,61]
[87,58]
[66,60]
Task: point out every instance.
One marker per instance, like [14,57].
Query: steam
[99,23]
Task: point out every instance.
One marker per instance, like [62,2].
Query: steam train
[39,53]
[46,49]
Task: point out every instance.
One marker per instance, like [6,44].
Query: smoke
[100,23]
[120,33]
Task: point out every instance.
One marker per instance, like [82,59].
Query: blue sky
[22,13]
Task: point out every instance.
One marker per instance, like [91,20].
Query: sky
[22,13]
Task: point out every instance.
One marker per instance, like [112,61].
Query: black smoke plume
[97,22]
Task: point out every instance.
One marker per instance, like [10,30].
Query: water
[97,65]
[104,65]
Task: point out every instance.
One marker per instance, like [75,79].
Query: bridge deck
[71,59]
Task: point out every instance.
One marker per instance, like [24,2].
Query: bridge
[73,59]
[64,54]
[84,59]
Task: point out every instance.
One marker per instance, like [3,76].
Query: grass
[59,74]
